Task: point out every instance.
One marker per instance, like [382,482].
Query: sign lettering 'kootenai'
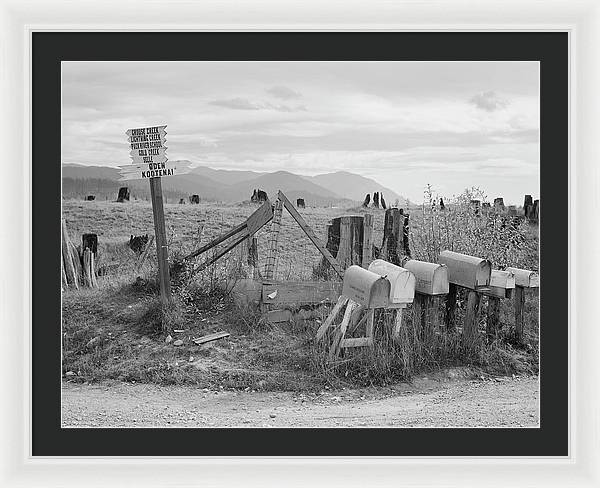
[148,154]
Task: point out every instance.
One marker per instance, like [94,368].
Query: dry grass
[117,331]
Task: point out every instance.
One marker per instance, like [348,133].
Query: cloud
[488,101]
[245,104]
[283,92]
[236,104]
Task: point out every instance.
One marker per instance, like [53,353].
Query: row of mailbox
[386,285]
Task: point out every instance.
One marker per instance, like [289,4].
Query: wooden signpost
[148,152]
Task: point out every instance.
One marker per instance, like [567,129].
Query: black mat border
[50,48]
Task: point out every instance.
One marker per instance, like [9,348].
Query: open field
[115,332]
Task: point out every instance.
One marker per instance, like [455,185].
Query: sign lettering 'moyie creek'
[148,154]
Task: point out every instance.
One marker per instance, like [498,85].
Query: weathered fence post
[519,313]
[253,257]
[274,240]
[470,325]
[392,235]
[367,244]
[493,318]
[90,241]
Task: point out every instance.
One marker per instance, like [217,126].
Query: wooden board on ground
[300,292]
[210,337]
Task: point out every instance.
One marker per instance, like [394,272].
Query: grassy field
[115,332]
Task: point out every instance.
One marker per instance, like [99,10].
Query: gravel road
[500,402]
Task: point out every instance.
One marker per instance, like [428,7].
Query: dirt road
[501,402]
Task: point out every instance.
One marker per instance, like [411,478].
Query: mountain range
[227,185]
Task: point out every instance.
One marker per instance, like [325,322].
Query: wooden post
[274,240]
[424,314]
[493,318]
[470,326]
[90,241]
[345,238]
[392,235]
[162,252]
[67,257]
[367,247]
[405,234]
[87,273]
[344,255]
[253,257]
[519,313]
[451,307]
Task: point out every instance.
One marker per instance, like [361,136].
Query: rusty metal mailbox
[502,283]
[525,278]
[467,271]
[431,278]
[402,281]
[366,287]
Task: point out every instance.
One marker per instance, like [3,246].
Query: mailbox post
[523,279]
[431,284]
[468,272]
[502,283]
[382,286]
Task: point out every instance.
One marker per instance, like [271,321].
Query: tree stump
[90,241]
[123,194]
[392,236]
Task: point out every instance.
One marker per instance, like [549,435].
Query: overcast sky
[405,124]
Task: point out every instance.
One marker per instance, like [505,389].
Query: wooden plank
[370,322]
[277,316]
[310,234]
[470,325]
[519,312]
[216,241]
[259,218]
[220,254]
[357,342]
[87,279]
[367,250]
[342,300]
[301,292]
[162,254]
[273,250]
[341,330]
[210,337]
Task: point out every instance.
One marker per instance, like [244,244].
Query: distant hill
[340,188]
[354,187]
[227,177]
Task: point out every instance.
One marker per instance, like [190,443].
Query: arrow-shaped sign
[157,129]
[153,170]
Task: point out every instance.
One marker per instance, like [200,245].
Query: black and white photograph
[292,244]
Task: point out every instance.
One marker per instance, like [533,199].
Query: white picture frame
[579,17]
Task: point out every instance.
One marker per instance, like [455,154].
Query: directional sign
[153,170]
[147,144]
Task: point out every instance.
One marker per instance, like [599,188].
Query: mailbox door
[401,280]
[365,287]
